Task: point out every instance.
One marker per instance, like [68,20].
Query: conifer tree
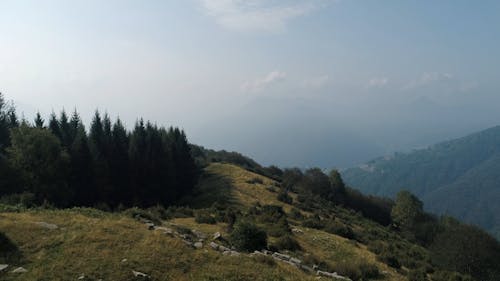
[39,120]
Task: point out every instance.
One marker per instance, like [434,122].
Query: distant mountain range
[460,177]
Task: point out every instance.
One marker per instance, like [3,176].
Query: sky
[329,83]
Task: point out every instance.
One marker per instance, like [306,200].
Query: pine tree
[39,120]
[81,175]
[54,126]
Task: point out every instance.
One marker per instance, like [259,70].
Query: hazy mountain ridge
[457,177]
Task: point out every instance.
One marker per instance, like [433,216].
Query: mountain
[460,177]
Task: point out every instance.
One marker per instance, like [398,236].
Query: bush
[279,229]
[339,229]
[180,212]
[248,237]
[417,275]
[284,197]
[286,243]
[25,199]
[138,214]
[389,259]
[202,217]
[255,181]
[313,222]
[450,276]
[358,270]
[296,214]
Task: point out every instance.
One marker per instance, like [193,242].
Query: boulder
[198,245]
[3,267]
[296,261]
[47,225]
[281,256]
[139,274]
[199,234]
[214,246]
[217,236]
[296,230]
[150,225]
[20,270]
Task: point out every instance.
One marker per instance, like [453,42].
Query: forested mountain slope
[459,177]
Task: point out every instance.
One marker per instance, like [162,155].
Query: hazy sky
[329,83]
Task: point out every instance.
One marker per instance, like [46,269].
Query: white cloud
[317,82]
[430,78]
[257,15]
[261,83]
[378,82]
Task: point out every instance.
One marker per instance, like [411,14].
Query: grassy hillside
[458,177]
[93,245]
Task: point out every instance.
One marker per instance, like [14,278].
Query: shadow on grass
[212,188]
[9,252]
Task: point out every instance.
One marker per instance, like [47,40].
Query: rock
[189,243]
[20,270]
[81,277]
[306,268]
[199,234]
[224,249]
[47,225]
[164,229]
[234,253]
[214,246]
[150,225]
[266,252]
[333,275]
[124,260]
[226,253]
[217,236]
[198,245]
[296,230]
[3,267]
[296,261]
[281,256]
[140,274]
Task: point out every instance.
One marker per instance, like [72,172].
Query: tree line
[61,163]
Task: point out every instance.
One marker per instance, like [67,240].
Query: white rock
[214,246]
[198,245]
[20,270]
[139,274]
[3,266]
[217,235]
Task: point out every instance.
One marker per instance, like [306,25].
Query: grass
[94,243]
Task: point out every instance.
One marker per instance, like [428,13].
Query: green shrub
[313,222]
[450,276]
[389,258]
[255,181]
[25,199]
[417,275]
[339,229]
[358,270]
[180,212]
[279,229]
[138,213]
[296,214]
[248,237]
[286,243]
[284,197]
[203,217]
